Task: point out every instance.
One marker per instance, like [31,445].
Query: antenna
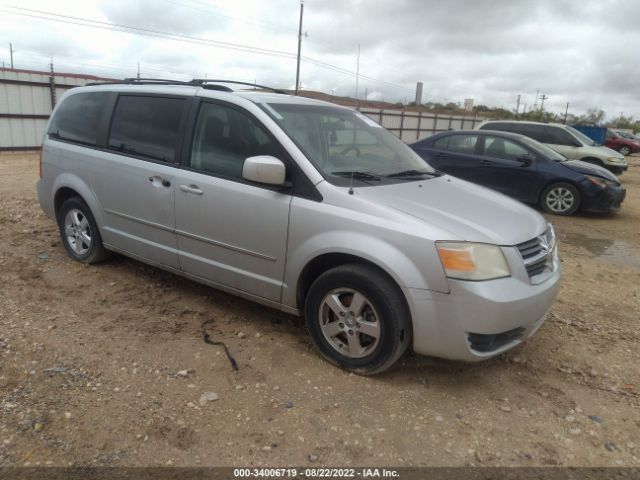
[351,186]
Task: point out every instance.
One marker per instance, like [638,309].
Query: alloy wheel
[77,231]
[349,322]
[560,199]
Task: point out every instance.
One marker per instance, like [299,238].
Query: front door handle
[486,162]
[191,189]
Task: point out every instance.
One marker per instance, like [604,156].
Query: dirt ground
[106,365]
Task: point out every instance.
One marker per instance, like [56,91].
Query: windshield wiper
[414,173]
[357,175]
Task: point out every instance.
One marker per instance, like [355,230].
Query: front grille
[537,253]
[481,342]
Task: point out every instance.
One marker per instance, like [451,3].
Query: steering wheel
[349,148]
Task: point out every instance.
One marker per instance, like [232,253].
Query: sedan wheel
[561,199]
[624,150]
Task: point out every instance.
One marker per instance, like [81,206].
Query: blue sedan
[524,169]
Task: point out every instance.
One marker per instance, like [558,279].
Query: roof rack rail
[200,82]
[143,81]
[205,81]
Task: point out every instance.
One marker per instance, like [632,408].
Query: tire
[349,341]
[560,199]
[624,150]
[79,232]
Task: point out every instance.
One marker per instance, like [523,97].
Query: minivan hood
[589,169]
[600,151]
[470,212]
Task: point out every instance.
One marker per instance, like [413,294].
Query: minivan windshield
[345,145]
[581,136]
[548,152]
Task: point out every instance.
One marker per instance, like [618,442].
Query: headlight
[472,261]
[615,159]
[601,182]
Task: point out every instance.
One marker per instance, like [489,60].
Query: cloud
[584,52]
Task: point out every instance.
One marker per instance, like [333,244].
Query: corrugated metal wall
[26,103]
[412,126]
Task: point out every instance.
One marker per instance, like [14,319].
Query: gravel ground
[105,365]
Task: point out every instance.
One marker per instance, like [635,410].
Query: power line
[271,26]
[68,19]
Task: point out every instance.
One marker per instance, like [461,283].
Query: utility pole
[11,53]
[524,108]
[566,112]
[535,104]
[543,97]
[138,70]
[52,85]
[517,107]
[357,71]
[299,47]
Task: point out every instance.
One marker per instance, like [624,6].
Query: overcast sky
[583,52]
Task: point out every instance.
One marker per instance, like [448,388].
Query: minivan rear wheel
[357,318]
[560,199]
[79,232]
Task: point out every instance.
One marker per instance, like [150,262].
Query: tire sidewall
[576,202]
[386,316]
[96,239]
[624,149]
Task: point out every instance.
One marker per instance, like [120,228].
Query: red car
[623,145]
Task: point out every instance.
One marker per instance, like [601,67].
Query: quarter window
[147,126]
[78,117]
[224,138]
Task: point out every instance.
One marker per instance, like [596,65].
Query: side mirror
[576,144]
[525,160]
[264,169]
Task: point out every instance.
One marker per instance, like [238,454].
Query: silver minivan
[301,205]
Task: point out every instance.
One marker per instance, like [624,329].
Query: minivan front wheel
[560,199]
[79,232]
[357,318]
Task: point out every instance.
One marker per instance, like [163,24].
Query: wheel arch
[69,185]
[594,160]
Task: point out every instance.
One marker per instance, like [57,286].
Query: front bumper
[603,200]
[620,165]
[478,320]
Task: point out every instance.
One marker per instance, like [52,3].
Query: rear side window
[147,126]
[78,116]
[502,126]
[541,133]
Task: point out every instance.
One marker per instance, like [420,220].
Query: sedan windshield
[345,145]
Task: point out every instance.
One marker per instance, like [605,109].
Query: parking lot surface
[106,365]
